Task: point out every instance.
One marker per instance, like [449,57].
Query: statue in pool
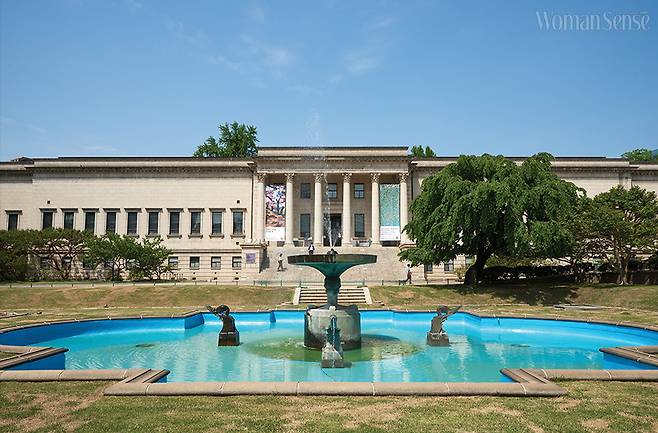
[437,336]
[229,335]
[332,352]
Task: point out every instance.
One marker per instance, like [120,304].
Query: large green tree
[112,250]
[641,155]
[236,140]
[621,224]
[15,248]
[422,152]
[486,205]
[61,247]
[150,260]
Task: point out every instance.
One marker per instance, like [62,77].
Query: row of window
[305,225]
[153,227]
[332,190]
[215,262]
[447,266]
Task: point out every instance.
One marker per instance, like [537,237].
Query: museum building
[229,219]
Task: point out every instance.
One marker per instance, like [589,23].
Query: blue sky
[137,77]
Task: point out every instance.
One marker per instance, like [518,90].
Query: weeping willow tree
[486,205]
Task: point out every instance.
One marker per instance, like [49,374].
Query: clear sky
[138,77]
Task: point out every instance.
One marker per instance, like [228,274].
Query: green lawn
[66,407]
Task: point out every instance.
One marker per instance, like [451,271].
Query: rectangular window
[69,217]
[332,191]
[87,265]
[153,222]
[216,263]
[194,262]
[195,223]
[47,220]
[304,190]
[238,227]
[359,225]
[236,262]
[429,267]
[359,190]
[173,262]
[110,222]
[217,223]
[174,223]
[305,225]
[132,223]
[449,266]
[12,221]
[90,221]
[44,263]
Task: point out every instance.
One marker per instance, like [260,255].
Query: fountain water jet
[318,319]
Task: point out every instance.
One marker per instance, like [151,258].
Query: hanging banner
[389,211]
[275,212]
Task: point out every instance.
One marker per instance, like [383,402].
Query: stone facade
[221,203]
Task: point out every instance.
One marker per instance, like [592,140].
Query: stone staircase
[316,295]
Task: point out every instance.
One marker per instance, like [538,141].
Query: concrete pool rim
[144,381]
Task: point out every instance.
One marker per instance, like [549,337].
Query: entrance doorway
[332,229]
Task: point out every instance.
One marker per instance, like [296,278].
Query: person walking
[311,249]
[408,274]
[280,260]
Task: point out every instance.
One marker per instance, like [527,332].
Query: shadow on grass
[527,293]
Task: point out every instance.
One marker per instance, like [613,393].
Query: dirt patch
[496,409]
[407,294]
[567,404]
[595,424]
[353,415]
[56,412]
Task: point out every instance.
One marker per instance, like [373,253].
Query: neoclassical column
[317,210]
[259,207]
[347,209]
[290,218]
[374,226]
[404,207]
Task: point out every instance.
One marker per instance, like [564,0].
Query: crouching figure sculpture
[229,335]
[332,352]
[437,336]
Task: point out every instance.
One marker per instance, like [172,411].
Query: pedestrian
[408,274]
[311,249]
[280,260]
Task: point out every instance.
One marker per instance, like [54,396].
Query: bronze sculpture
[229,335]
[437,336]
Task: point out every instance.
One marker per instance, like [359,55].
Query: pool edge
[149,382]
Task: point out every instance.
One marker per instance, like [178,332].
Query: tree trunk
[474,272]
[623,272]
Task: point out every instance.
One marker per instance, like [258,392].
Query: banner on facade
[389,211]
[275,212]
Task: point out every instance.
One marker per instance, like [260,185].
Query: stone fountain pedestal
[318,319]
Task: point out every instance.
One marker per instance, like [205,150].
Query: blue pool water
[394,347]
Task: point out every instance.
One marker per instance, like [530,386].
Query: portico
[341,209]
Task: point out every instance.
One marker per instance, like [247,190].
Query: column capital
[403,176]
[347,177]
[375,177]
[260,177]
[318,177]
[290,177]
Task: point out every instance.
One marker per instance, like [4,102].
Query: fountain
[229,335]
[437,336]
[317,320]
